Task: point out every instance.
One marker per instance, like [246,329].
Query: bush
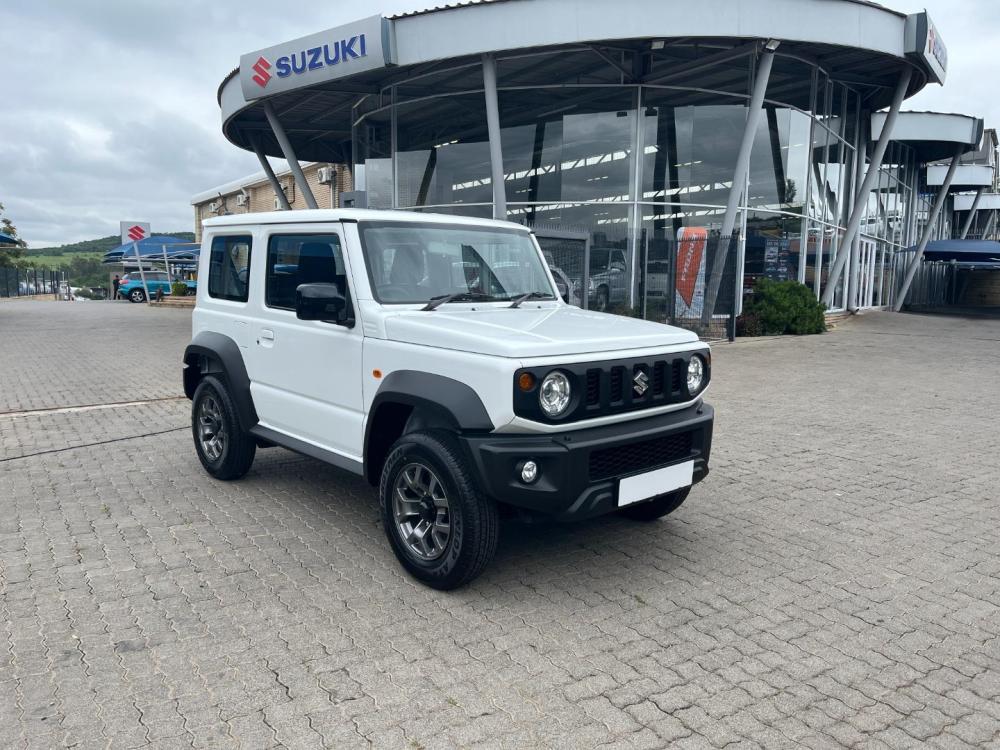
[779,307]
[178,289]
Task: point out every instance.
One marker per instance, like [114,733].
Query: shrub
[781,307]
[748,324]
[178,289]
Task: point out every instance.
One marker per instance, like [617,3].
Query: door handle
[266,337]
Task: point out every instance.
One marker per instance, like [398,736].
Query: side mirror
[320,302]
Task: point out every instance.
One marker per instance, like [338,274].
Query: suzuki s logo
[316,58]
[260,68]
[136,233]
[640,383]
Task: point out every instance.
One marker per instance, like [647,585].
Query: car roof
[328,215]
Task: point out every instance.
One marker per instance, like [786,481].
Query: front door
[306,375]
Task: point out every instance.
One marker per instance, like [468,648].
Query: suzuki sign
[134,231]
[317,58]
[924,42]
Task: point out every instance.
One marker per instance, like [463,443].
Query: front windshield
[416,262]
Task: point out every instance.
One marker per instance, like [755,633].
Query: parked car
[609,281]
[406,349]
[132,289]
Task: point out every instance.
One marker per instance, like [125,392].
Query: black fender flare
[451,403]
[216,353]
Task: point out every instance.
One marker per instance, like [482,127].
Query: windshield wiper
[531,295]
[442,299]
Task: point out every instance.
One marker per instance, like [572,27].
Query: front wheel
[224,448]
[442,530]
[656,508]
[137,295]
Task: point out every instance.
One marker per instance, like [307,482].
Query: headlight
[696,374]
[553,395]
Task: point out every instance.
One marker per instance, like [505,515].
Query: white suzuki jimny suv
[433,356]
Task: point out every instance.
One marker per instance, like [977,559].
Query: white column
[928,228]
[271,177]
[289,152]
[861,197]
[739,183]
[972,213]
[493,127]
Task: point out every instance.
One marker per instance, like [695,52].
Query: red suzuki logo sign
[260,68]
[134,231]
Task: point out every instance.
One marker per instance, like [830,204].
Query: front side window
[229,268]
[415,262]
[294,259]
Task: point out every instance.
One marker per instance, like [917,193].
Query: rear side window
[294,259]
[229,268]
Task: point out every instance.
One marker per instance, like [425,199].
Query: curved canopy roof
[704,45]
[933,135]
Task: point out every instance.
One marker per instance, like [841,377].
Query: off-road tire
[239,447]
[473,517]
[657,508]
[137,295]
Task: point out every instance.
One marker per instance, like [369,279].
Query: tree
[9,254]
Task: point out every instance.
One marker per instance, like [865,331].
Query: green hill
[94,247]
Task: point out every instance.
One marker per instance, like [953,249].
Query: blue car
[131,287]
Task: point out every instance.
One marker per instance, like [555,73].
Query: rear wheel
[442,530]
[137,295]
[658,507]
[224,448]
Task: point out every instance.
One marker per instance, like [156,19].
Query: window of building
[229,268]
[294,259]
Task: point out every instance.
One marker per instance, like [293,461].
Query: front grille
[637,457]
[614,387]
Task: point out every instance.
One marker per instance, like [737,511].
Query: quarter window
[294,259]
[229,268]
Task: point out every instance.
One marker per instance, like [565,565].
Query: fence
[29,282]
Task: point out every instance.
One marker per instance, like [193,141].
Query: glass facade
[626,185]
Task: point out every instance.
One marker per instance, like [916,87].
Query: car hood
[530,332]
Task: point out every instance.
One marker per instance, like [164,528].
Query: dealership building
[666,154]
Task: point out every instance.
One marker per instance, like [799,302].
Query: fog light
[529,472]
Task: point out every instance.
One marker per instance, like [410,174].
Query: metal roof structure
[933,135]
[704,45]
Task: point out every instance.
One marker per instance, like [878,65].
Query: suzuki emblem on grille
[641,381]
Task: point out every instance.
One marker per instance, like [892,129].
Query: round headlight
[696,374]
[553,395]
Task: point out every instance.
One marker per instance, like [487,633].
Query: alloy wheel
[421,511]
[211,428]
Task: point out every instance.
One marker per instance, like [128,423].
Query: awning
[963,251]
[152,248]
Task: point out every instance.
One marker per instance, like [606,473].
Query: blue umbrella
[151,246]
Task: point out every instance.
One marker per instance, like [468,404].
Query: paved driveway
[835,581]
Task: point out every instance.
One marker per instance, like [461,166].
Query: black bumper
[580,469]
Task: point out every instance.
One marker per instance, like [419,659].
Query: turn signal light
[526,382]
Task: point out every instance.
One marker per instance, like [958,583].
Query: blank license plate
[653,483]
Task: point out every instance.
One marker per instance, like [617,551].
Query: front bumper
[580,470]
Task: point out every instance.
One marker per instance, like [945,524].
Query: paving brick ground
[835,582]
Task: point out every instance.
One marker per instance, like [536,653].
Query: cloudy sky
[109,107]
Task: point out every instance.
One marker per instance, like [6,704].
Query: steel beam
[289,152]
[988,234]
[932,218]
[740,174]
[861,198]
[493,128]
[972,212]
[271,176]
